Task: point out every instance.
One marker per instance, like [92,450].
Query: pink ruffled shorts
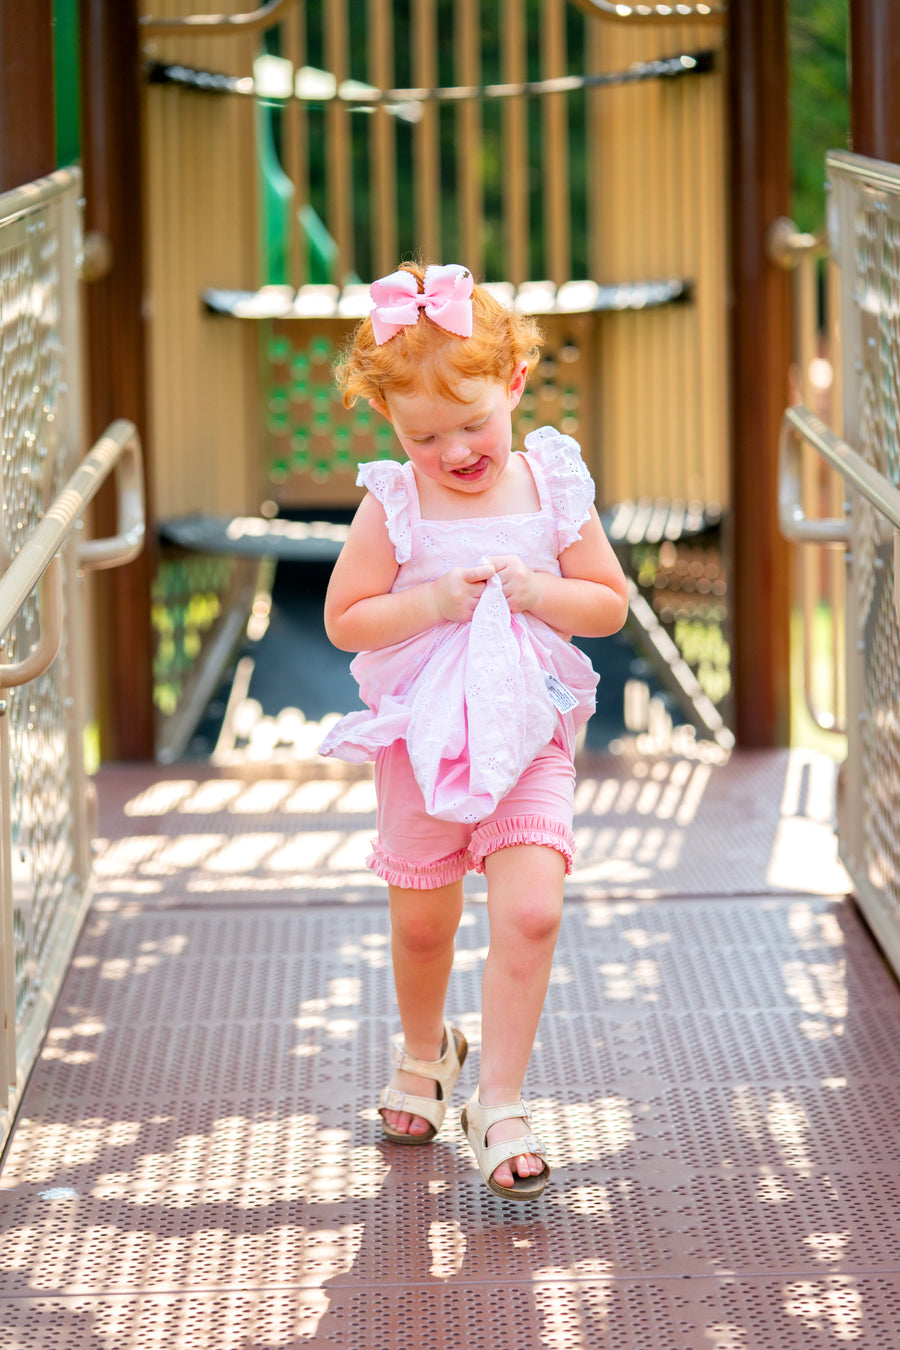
[419,852]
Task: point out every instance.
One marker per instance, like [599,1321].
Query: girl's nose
[456,452]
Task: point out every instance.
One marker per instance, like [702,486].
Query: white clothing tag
[560,696]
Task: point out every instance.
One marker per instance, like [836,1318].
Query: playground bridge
[194,976]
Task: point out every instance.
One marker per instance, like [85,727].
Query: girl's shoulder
[393,486]
[569,483]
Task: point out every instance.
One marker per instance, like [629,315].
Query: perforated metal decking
[717,1076]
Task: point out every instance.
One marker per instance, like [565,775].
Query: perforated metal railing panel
[864,229]
[39,446]
[198,1162]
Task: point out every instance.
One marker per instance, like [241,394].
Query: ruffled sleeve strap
[569,484]
[387,480]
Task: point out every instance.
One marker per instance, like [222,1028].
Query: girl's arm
[361,611]
[590,599]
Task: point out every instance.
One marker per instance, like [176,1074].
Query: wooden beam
[760,360]
[875,78]
[27,131]
[111,130]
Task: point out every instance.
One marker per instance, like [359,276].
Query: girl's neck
[514,493]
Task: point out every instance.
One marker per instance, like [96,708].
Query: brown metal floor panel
[760,823]
[197,1162]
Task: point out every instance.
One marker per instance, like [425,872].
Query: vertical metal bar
[296,136]
[383,138]
[595,154]
[809,563]
[8,974]
[338,162]
[557,209]
[468,150]
[72,441]
[515,145]
[426,147]
[835,559]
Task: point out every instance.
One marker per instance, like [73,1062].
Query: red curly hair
[424,355]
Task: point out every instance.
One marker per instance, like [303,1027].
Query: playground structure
[730,1117]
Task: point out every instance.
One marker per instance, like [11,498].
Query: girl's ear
[517,384]
[380,408]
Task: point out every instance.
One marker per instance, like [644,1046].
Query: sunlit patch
[789,1127]
[261,797]
[640,938]
[828,1247]
[772,1189]
[588,1202]
[812,926]
[216,795]
[160,798]
[834,1306]
[447,1244]
[819,987]
[623,983]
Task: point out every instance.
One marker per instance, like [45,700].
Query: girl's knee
[420,936]
[536,917]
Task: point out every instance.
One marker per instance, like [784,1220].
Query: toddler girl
[466,571]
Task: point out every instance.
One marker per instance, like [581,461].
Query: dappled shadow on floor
[717,1077]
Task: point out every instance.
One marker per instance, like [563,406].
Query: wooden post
[760,361]
[27,132]
[875,78]
[111,130]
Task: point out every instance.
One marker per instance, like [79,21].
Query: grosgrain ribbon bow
[446,299]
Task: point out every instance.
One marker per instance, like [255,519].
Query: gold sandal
[476,1120]
[443,1071]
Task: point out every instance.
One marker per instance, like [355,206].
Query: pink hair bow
[446,299]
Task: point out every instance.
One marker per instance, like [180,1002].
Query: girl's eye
[479,426]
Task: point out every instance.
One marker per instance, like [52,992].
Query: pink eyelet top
[475,702]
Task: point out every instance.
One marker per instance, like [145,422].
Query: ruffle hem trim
[418,876]
[496,834]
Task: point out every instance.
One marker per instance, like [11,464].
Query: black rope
[667,68]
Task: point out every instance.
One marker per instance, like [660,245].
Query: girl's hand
[458,591]
[521,586]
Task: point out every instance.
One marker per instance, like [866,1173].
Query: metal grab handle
[799,423]
[128,540]
[48,536]
[46,649]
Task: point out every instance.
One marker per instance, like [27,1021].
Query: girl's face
[464,446]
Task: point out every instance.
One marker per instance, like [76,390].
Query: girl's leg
[525,898]
[423,929]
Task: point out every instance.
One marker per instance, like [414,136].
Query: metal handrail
[118,446]
[212,25]
[799,421]
[32,195]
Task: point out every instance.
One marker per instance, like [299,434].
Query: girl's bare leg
[525,898]
[423,929]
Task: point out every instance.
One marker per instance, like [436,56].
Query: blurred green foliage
[820,115]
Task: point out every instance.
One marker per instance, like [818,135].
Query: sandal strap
[481,1118]
[444,1071]
[432,1108]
